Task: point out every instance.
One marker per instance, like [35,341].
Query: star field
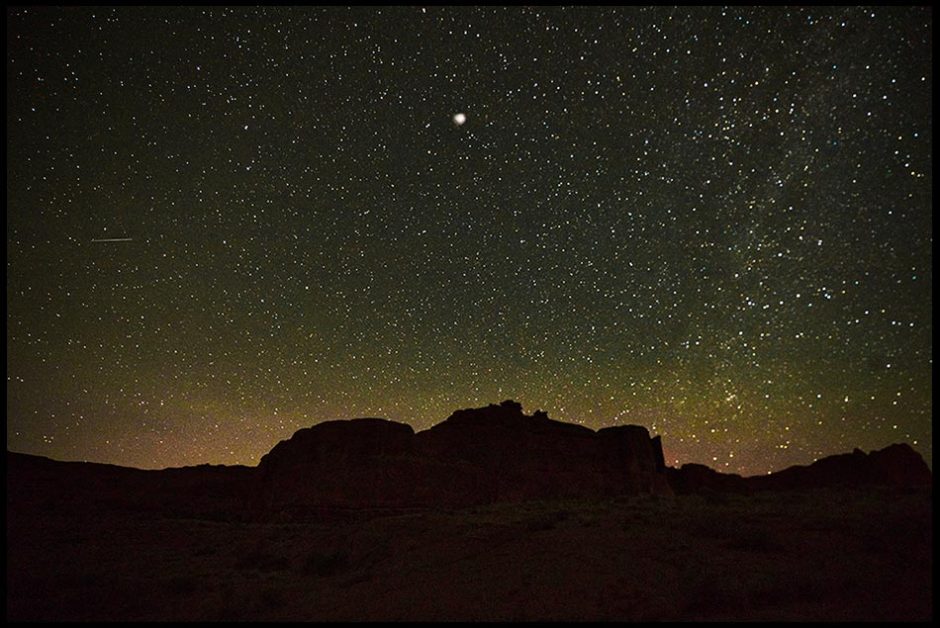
[225,224]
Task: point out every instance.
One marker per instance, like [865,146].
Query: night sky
[224,225]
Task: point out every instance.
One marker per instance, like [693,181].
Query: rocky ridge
[474,457]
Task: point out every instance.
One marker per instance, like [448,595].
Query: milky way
[224,225]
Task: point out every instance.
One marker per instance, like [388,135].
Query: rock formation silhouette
[475,456]
[897,465]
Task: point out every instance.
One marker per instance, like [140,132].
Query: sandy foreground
[820,555]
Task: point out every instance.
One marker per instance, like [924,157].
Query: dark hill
[206,491]
[896,465]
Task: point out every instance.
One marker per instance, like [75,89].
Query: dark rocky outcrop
[475,456]
[697,478]
[336,464]
[896,465]
[533,457]
[361,463]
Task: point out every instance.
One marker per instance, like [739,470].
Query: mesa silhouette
[475,457]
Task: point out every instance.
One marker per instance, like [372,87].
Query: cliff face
[476,456]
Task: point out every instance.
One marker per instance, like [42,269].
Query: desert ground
[827,554]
